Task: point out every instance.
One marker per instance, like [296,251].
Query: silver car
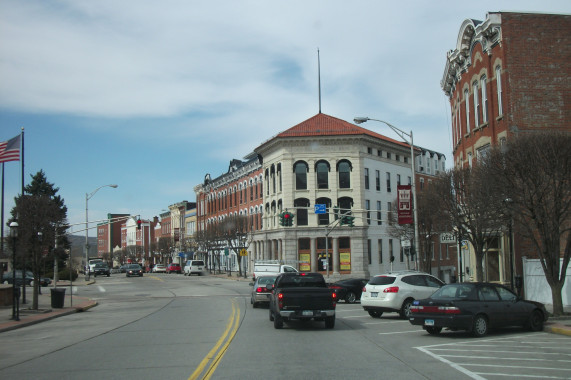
[395,292]
[260,291]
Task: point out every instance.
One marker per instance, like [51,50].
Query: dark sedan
[134,270]
[350,289]
[476,307]
[29,280]
[101,269]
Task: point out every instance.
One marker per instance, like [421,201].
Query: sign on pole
[404,204]
[319,208]
[447,238]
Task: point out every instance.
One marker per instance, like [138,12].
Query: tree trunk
[557,298]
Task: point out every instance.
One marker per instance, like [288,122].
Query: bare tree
[534,172]
[472,207]
[234,230]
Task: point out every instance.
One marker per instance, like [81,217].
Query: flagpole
[21,222]
[2,221]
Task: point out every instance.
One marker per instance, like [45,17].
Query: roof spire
[319,78]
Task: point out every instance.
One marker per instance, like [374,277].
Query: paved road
[175,327]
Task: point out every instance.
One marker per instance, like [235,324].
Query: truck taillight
[391,289]
[334,295]
[280,300]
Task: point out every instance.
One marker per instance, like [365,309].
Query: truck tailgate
[307,298]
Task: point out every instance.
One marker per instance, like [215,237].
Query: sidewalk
[75,304]
[45,312]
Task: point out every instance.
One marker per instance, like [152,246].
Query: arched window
[323,219]
[322,172]
[300,169]
[301,212]
[344,173]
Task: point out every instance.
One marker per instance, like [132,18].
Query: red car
[174,268]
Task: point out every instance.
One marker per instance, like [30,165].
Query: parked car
[349,289]
[395,292]
[123,268]
[101,269]
[160,268]
[476,307]
[29,280]
[260,290]
[174,268]
[194,267]
[134,270]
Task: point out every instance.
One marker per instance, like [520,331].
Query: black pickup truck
[302,296]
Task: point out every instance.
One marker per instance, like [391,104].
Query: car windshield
[266,280]
[134,266]
[198,263]
[381,280]
[100,265]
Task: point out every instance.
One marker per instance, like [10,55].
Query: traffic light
[139,223]
[281,217]
[290,219]
[350,220]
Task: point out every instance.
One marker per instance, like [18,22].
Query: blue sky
[151,96]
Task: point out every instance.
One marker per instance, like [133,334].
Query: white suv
[194,267]
[394,292]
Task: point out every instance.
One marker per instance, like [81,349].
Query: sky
[152,96]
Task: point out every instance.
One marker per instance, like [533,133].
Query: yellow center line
[231,325]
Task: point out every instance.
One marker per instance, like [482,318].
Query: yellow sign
[243,252]
[304,260]
[345,260]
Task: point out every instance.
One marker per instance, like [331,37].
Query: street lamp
[87,198]
[15,295]
[402,135]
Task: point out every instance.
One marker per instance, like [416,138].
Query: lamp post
[88,196]
[15,295]
[508,202]
[402,135]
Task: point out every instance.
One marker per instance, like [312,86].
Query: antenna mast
[319,78]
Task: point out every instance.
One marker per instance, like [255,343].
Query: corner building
[325,160]
[508,74]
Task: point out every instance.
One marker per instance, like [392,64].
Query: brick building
[109,233]
[508,74]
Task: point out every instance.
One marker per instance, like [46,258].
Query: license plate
[374,294]
[307,313]
[429,322]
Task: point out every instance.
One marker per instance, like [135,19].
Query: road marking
[399,332]
[228,335]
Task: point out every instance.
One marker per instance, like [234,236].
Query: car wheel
[271,316]
[254,304]
[375,314]
[329,322]
[350,297]
[405,308]
[480,326]
[535,322]
[108,274]
[434,330]
[278,322]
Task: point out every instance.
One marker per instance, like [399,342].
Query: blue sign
[319,209]
[181,254]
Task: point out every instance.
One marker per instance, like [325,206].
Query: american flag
[10,150]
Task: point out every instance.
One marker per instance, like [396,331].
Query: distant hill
[78,243]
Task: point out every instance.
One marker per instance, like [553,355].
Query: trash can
[58,297]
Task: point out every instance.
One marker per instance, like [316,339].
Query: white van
[194,267]
[271,269]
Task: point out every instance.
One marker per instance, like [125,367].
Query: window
[300,169]
[397,157]
[322,169]
[482,152]
[421,183]
[476,105]
[344,170]
[366,179]
[380,249]
[379,214]
[369,150]
[300,211]
[470,159]
[389,155]
[323,219]
[499,89]
[467,104]
[378,180]
[484,100]
[391,256]
[368,208]
[388,182]
[369,250]
[389,212]
[409,180]
[398,179]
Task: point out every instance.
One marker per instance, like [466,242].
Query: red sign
[404,204]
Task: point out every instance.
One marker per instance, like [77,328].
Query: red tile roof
[325,125]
